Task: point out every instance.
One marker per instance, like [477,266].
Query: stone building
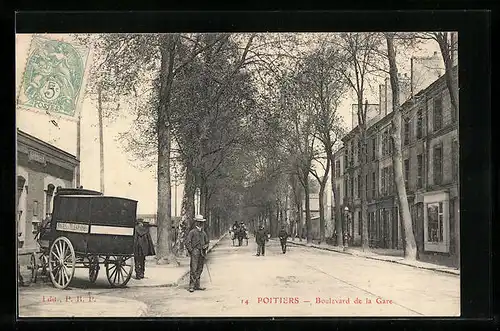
[41,169]
[431,169]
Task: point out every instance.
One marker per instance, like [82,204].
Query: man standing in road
[196,245]
[143,246]
[261,238]
[283,235]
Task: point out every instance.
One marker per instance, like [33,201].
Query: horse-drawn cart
[238,235]
[87,229]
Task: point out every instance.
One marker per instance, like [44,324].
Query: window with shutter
[438,165]
[438,113]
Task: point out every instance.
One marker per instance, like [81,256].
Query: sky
[122,177]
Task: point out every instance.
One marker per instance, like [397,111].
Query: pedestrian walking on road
[143,246]
[261,238]
[283,235]
[196,245]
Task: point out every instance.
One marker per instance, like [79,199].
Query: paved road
[291,284]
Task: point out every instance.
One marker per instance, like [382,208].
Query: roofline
[43,143]
[408,103]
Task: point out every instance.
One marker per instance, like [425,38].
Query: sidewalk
[166,275]
[43,300]
[357,251]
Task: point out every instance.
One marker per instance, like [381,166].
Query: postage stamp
[53,77]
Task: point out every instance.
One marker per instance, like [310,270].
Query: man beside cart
[143,246]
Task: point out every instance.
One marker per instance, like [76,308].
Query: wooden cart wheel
[33,267]
[62,262]
[93,268]
[119,270]
[44,263]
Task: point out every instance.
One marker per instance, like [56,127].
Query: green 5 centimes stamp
[53,77]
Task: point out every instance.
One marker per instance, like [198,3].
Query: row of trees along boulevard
[248,120]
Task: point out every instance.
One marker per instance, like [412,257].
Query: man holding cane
[196,244]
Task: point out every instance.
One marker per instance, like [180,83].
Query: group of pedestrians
[261,237]
[196,244]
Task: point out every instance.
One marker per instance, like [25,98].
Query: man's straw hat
[199,218]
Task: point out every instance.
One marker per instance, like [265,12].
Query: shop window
[435,222]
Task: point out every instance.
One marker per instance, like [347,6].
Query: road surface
[303,282]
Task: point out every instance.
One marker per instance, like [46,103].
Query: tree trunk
[397,157]
[322,186]
[308,207]
[363,222]
[335,200]
[188,208]
[321,214]
[164,252]
[300,223]
[452,85]
[101,138]
[338,216]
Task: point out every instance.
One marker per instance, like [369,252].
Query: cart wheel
[61,262]
[33,267]
[45,264]
[118,270]
[93,268]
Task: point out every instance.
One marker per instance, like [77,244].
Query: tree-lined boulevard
[250,121]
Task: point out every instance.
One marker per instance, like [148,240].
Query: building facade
[41,169]
[430,151]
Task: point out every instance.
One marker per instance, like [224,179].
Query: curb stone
[208,251]
[450,272]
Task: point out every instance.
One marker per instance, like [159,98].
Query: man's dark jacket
[261,236]
[283,234]
[143,243]
[196,240]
